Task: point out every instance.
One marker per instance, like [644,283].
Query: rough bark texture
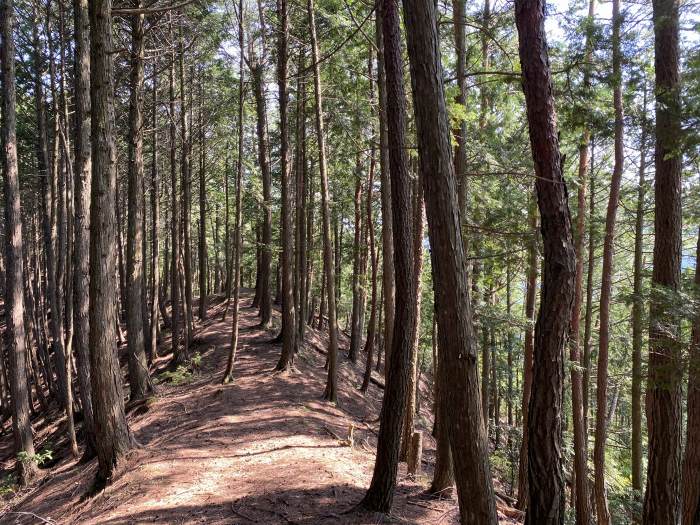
[330,393]
[454,315]
[546,476]
[111,430]
[83,177]
[380,494]
[663,400]
[237,244]
[691,461]
[179,353]
[289,328]
[138,367]
[603,514]
[385,185]
[638,315]
[14,267]
[265,310]
[582,501]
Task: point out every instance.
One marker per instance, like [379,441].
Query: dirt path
[261,450]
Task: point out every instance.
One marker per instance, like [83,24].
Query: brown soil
[265,449]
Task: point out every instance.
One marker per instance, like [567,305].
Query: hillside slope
[265,449]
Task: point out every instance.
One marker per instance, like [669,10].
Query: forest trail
[265,449]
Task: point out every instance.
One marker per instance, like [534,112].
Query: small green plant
[180,376]
[8,485]
[196,361]
[41,457]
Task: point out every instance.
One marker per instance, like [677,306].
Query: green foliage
[40,457]
[180,376]
[8,485]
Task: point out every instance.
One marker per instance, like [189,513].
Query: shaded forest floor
[264,449]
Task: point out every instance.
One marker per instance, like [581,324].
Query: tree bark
[530,300]
[265,310]
[691,461]
[83,177]
[331,391]
[289,328]
[545,462]
[385,185]
[638,313]
[456,333]
[14,273]
[113,438]
[138,367]
[603,514]
[380,494]
[237,244]
[663,401]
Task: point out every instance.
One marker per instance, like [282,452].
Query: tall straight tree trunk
[529,343]
[83,176]
[545,461]
[583,511]
[202,211]
[289,328]
[691,461]
[410,414]
[603,514]
[374,260]
[638,313]
[357,286]
[455,330]
[186,176]
[155,224]
[138,366]
[113,438]
[302,188]
[237,244]
[588,321]
[331,391]
[663,400]
[380,494]
[14,273]
[385,185]
[265,310]
[179,354]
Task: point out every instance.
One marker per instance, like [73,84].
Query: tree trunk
[582,501]
[331,392]
[265,311]
[179,353]
[691,461]
[603,514]
[385,185]
[358,285]
[374,260]
[289,328]
[202,211]
[155,226]
[530,300]
[663,401]
[380,494]
[186,176]
[83,176]
[113,438]
[138,367]
[545,461]
[237,244]
[456,333]
[410,414]
[14,273]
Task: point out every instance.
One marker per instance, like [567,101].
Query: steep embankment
[265,449]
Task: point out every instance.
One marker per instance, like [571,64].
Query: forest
[350,262]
